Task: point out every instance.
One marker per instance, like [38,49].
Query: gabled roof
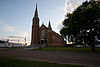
[43,26]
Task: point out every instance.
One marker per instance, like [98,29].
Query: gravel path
[78,58]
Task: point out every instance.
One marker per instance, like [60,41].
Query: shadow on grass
[13,62]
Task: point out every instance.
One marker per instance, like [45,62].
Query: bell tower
[35,29]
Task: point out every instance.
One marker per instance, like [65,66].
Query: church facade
[44,35]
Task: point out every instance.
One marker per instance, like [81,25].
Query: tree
[83,25]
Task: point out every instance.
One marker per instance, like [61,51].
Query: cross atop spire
[49,26]
[36,12]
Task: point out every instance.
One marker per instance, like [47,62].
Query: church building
[42,35]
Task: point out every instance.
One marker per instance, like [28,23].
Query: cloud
[22,34]
[6,28]
[14,36]
[70,6]
[59,24]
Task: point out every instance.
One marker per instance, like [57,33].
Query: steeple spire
[49,26]
[36,11]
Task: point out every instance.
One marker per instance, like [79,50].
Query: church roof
[43,26]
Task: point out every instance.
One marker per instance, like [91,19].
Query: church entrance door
[43,42]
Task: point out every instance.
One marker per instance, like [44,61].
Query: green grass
[67,49]
[12,62]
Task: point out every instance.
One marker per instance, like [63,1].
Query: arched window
[43,33]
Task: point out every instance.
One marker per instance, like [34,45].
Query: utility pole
[18,41]
[7,42]
[25,41]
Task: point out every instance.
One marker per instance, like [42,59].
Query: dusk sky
[16,15]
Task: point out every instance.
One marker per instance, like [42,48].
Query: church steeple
[35,28]
[36,18]
[49,26]
[36,11]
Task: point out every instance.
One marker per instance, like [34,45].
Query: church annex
[44,35]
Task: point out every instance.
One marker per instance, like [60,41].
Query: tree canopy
[83,25]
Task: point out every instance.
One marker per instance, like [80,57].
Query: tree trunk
[93,47]
[40,47]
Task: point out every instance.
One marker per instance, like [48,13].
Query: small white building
[10,44]
[15,45]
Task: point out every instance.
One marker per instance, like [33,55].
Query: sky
[16,16]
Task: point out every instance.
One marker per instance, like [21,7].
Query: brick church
[44,35]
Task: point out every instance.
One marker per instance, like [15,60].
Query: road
[78,58]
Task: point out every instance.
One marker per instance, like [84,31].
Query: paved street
[62,57]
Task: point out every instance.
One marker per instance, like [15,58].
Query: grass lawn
[67,49]
[12,62]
